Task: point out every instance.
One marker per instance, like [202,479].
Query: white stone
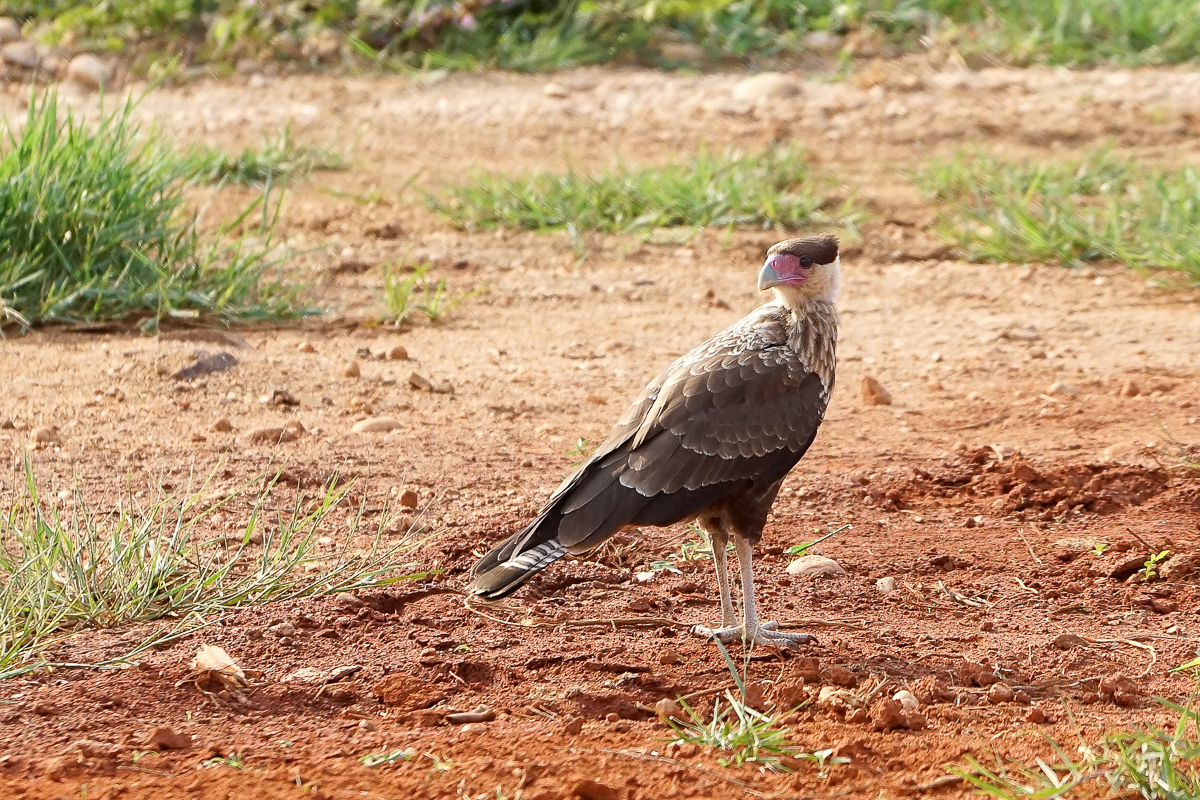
[1120,451]
[766,86]
[907,699]
[88,70]
[1060,388]
[815,567]
[10,31]
[305,675]
[23,53]
[822,42]
[886,585]
[376,425]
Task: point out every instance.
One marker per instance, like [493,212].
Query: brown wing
[705,428]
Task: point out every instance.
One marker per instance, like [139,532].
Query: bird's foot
[766,634]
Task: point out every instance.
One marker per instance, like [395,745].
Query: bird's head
[803,269]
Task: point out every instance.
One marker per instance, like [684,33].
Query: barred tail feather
[507,566]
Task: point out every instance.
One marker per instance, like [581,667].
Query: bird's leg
[719,541]
[751,631]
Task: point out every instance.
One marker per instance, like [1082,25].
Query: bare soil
[981,491]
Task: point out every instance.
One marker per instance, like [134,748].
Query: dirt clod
[1000,693]
[206,364]
[45,436]
[887,714]
[670,709]
[872,393]
[164,737]
[1067,641]
[1179,567]
[840,676]
[272,436]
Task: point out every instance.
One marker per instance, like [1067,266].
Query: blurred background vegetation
[548,34]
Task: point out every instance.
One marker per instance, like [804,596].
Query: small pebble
[283,629]
[306,347]
[872,393]
[45,435]
[351,369]
[670,709]
[668,657]
[398,353]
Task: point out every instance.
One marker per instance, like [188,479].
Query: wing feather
[739,410]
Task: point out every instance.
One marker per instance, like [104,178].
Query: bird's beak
[768,277]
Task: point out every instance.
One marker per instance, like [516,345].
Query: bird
[709,440]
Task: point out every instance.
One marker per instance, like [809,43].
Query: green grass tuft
[1098,208]
[1073,32]
[277,161]
[418,292]
[1147,763]
[772,188]
[745,735]
[69,568]
[93,227]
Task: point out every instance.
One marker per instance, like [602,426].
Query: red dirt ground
[979,490]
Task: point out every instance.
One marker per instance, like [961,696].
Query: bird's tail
[514,561]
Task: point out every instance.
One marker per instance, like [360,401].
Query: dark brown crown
[822,249]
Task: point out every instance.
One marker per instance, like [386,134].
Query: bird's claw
[767,634]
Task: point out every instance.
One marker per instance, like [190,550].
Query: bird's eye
[805,261]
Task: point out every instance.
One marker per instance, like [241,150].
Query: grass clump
[418,292]
[745,735]
[1149,763]
[1072,32]
[1097,208]
[67,569]
[772,188]
[93,227]
[276,161]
